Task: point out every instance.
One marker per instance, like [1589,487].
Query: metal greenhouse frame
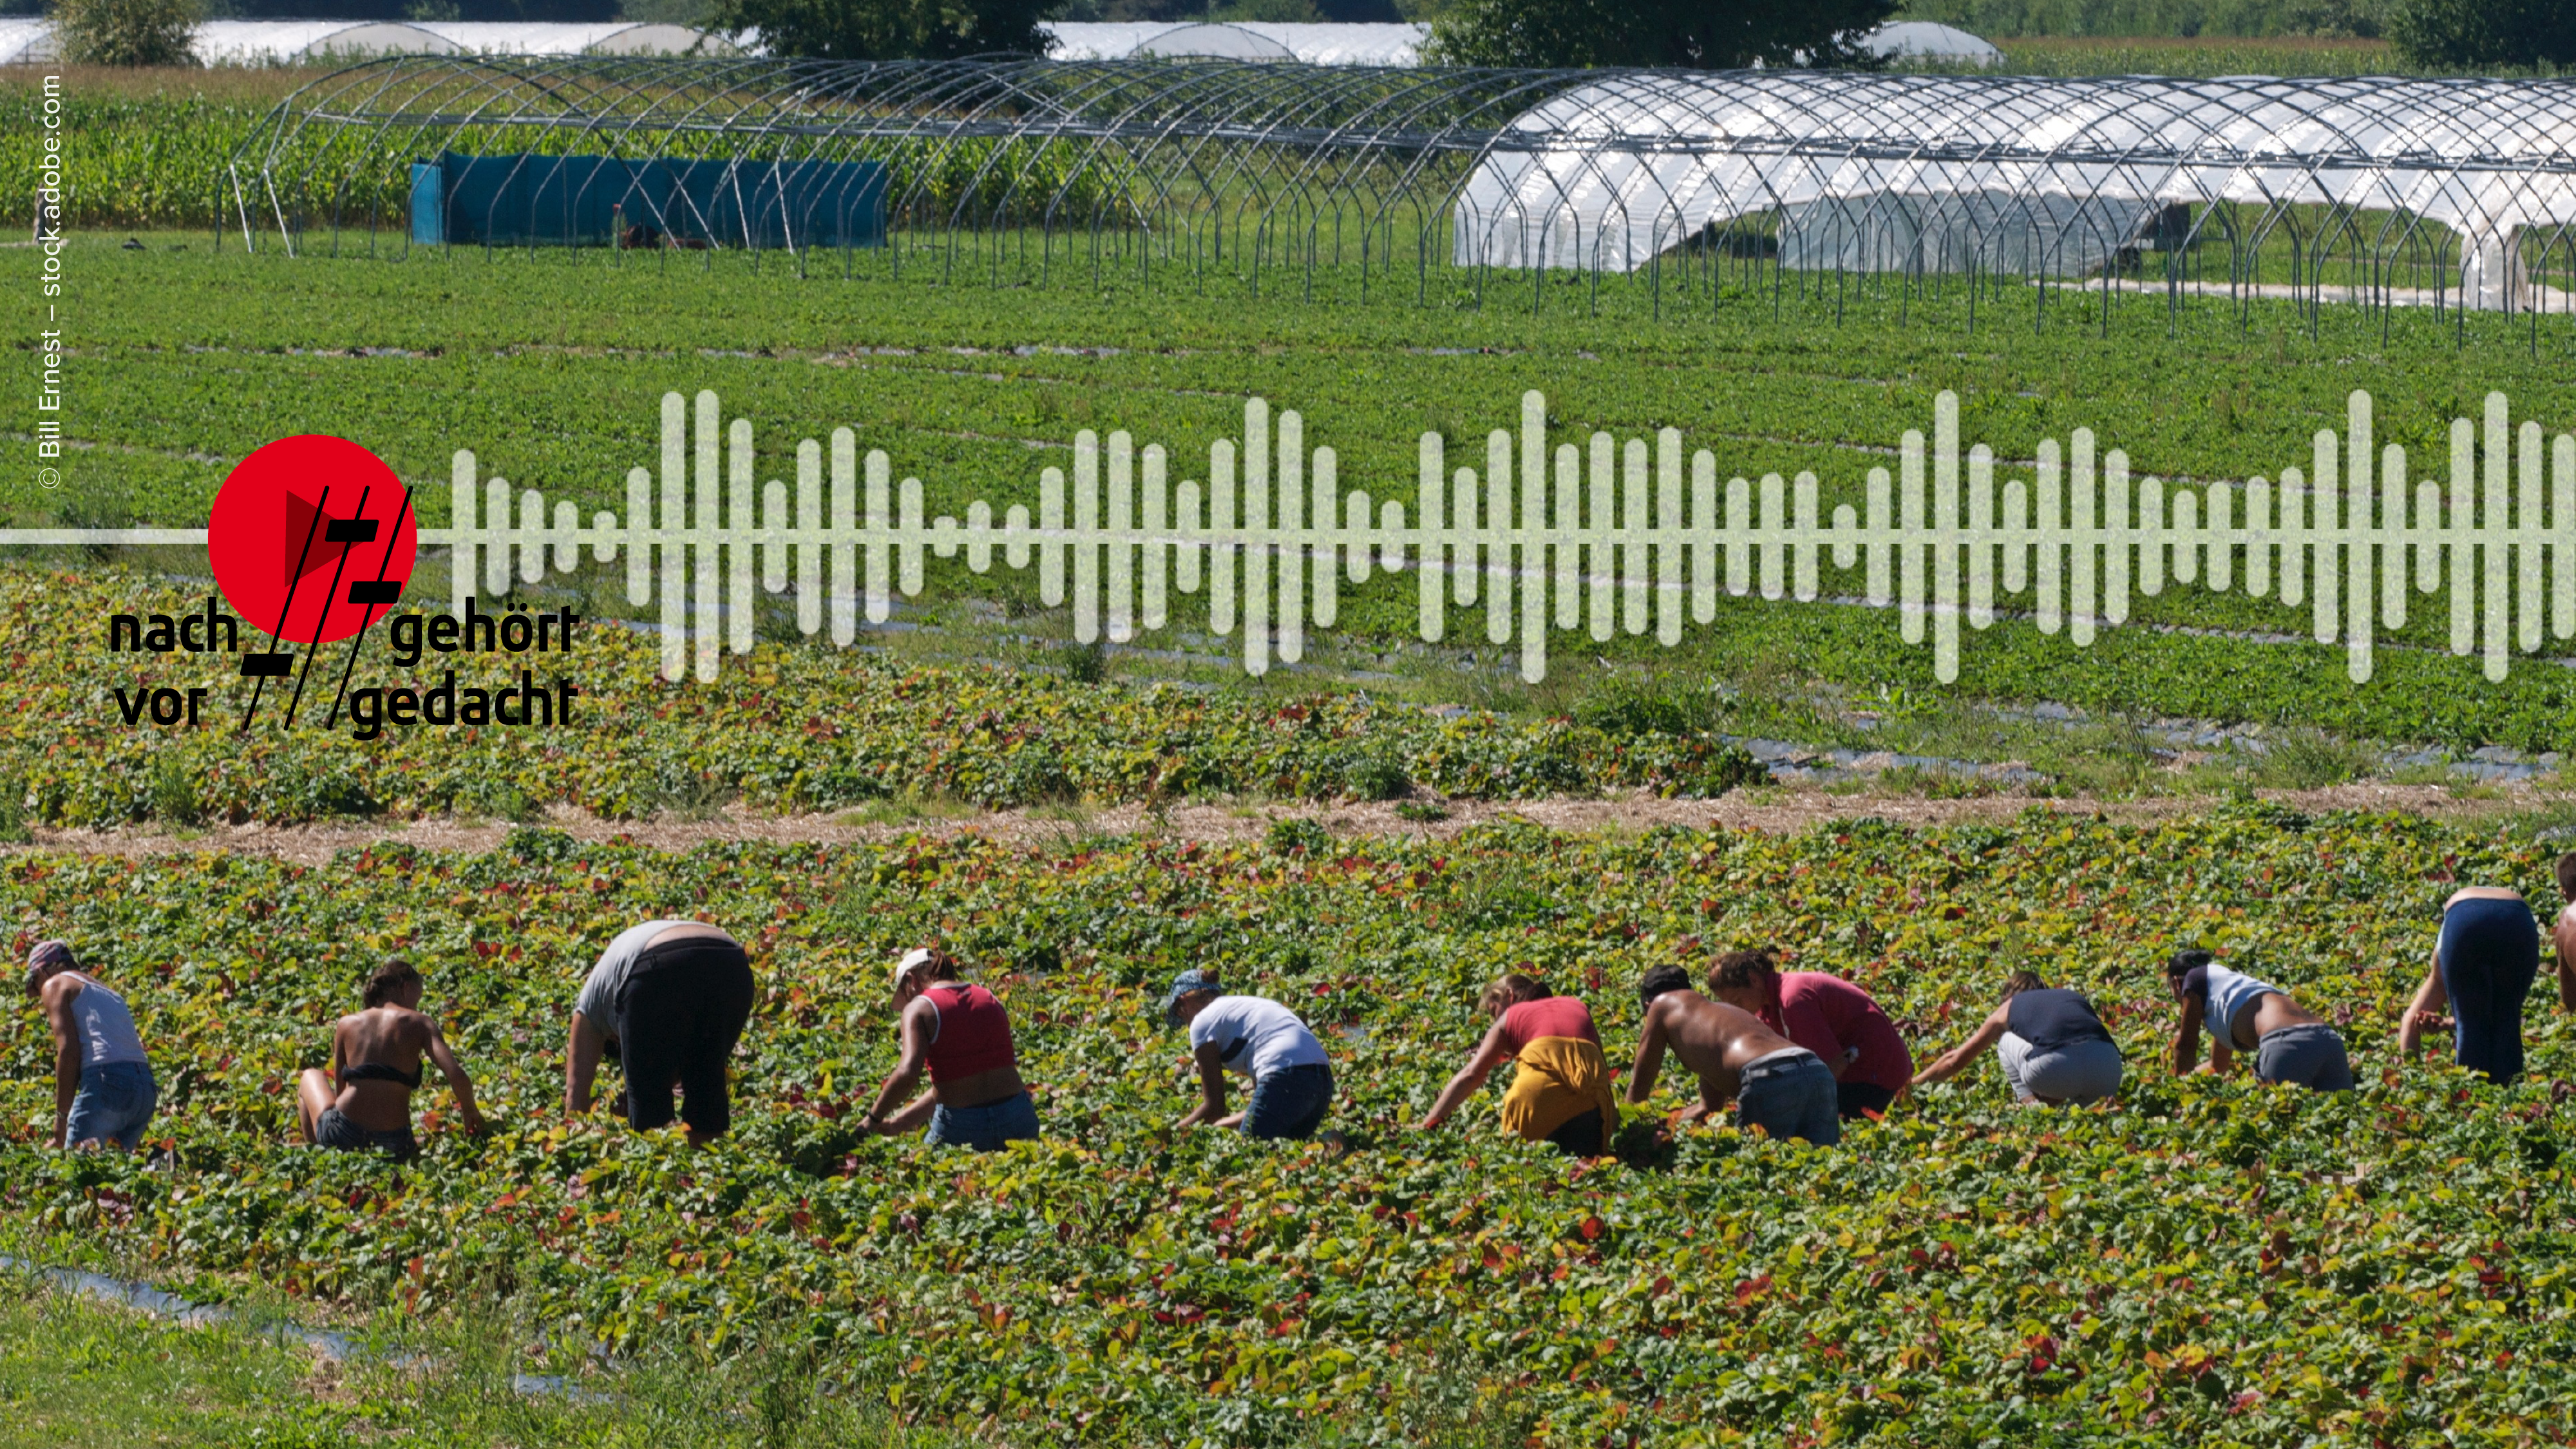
[1745,186]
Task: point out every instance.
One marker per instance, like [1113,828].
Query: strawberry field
[2205,1261]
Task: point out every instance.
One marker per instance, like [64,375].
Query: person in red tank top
[960,1034]
[1561,1093]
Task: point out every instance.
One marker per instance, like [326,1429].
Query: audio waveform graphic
[1548,534]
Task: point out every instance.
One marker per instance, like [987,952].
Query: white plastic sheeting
[1609,175]
[611,37]
[1930,40]
[1257,40]
[265,42]
[27,39]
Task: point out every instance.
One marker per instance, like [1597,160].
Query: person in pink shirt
[1828,1016]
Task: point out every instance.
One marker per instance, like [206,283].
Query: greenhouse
[2380,193]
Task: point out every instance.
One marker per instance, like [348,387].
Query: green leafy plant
[2472,34]
[126,32]
[1709,34]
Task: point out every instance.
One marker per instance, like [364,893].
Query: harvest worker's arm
[2424,1011]
[58,996]
[1650,1055]
[1211,1107]
[1488,1055]
[2185,1054]
[920,1022]
[1987,1034]
[581,1063]
[456,1082]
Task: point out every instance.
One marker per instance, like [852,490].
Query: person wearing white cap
[962,1036]
[671,997]
[103,1087]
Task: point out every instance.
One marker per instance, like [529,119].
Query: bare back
[1715,1040]
[389,1036]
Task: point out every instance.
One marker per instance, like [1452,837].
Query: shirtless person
[2563,936]
[1778,1085]
[375,1056]
[2290,1043]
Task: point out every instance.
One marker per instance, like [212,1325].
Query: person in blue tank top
[2483,964]
[103,1086]
[2290,1043]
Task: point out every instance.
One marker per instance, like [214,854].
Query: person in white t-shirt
[1292,1083]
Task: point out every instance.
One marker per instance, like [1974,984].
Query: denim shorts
[113,1104]
[1791,1094]
[988,1128]
[2079,1072]
[1289,1103]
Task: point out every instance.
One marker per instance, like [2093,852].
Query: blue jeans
[1791,1095]
[112,1105]
[1289,1103]
[2488,951]
[988,1128]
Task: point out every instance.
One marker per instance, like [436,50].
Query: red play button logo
[312,538]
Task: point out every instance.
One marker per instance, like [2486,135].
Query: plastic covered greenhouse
[1736,187]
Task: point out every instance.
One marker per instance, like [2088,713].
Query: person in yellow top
[1561,1094]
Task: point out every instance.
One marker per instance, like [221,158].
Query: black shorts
[681,1010]
[1580,1136]
[1851,1099]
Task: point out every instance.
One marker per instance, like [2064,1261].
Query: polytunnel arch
[2376,191]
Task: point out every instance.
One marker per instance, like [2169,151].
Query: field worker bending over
[1291,1082]
[1828,1016]
[2562,935]
[672,997]
[1561,1094]
[962,1035]
[2483,962]
[2291,1043]
[103,1087]
[2051,1046]
[1778,1085]
[375,1057]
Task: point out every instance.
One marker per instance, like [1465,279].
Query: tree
[2479,34]
[126,32]
[888,29]
[1708,34]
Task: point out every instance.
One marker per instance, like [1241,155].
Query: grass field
[551,369]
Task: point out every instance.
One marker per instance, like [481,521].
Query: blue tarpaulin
[527,200]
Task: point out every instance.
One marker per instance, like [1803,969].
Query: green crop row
[786,729]
[2204,1261]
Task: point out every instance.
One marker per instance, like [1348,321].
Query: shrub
[1375,776]
[126,32]
[1707,34]
[2476,34]
[886,29]
[1299,837]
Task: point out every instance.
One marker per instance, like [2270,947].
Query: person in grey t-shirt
[672,997]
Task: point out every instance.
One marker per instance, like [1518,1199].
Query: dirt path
[1773,810]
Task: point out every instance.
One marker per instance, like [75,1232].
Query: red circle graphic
[311,539]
